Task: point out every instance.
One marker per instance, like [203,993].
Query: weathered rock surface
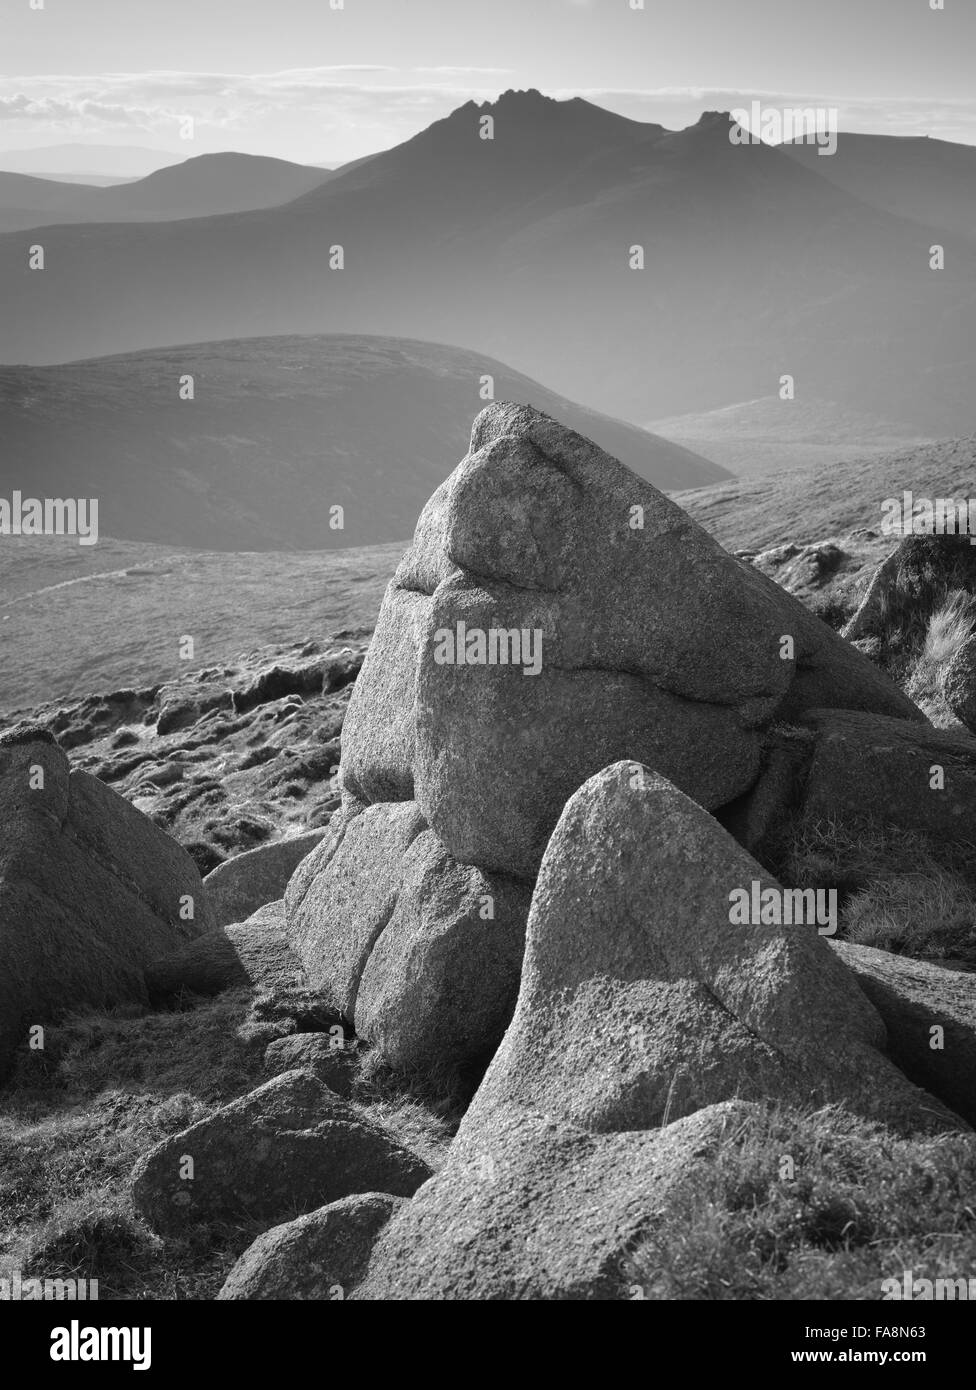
[916,999]
[239,886]
[256,952]
[290,1146]
[421,954]
[91,892]
[656,645]
[332,1061]
[538,1209]
[865,767]
[957,684]
[320,1256]
[642,1000]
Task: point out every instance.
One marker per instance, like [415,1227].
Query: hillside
[205,186]
[519,247]
[810,504]
[769,434]
[76,620]
[931,181]
[280,431]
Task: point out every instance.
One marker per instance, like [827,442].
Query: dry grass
[949,627]
[926,915]
[857,1207]
[898,889]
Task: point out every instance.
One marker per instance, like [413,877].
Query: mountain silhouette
[206,185]
[520,246]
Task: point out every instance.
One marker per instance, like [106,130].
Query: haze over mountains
[206,185]
[931,181]
[79,159]
[280,430]
[770,434]
[757,265]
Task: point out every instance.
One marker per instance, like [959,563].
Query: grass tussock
[820,1206]
[950,626]
[929,576]
[898,890]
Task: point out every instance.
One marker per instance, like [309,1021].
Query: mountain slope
[811,504]
[770,434]
[209,185]
[931,181]
[280,430]
[519,247]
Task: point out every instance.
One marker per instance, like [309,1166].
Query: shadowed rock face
[913,996]
[655,645]
[421,954]
[91,892]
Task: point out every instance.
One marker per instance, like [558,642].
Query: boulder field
[578,729]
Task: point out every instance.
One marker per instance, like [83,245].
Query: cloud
[349,109]
[948,118]
[379,97]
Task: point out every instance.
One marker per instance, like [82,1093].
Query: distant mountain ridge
[769,435]
[205,186]
[280,430]
[522,246]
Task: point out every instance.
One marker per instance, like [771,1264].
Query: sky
[306,81]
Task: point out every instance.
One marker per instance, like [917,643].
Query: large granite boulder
[419,953]
[596,621]
[91,891]
[653,1016]
[290,1146]
[539,1209]
[322,1255]
[645,997]
[254,953]
[864,767]
[240,886]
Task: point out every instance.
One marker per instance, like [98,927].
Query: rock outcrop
[419,953]
[91,892]
[538,1209]
[649,1016]
[290,1146]
[323,1255]
[596,621]
[929,1012]
[240,886]
[643,998]
[256,952]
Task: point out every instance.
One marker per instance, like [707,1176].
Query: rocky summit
[500,949]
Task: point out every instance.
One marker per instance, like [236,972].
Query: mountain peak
[711,118]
